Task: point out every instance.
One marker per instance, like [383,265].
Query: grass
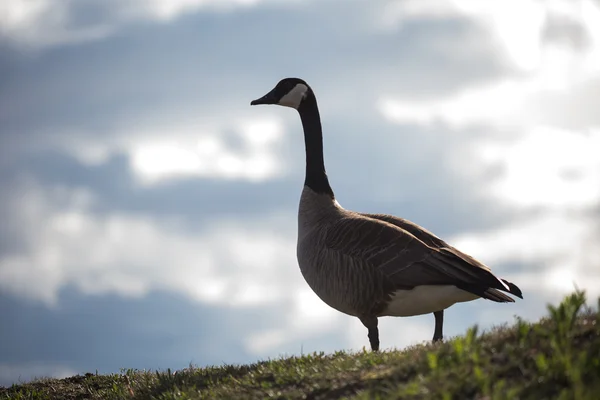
[556,358]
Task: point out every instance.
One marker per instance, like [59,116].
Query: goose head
[289,92]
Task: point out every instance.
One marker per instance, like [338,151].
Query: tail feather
[476,277]
[497,296]
[514,289]
[470,271]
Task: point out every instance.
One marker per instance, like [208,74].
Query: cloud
[239,149]
[125,84]
[230,262]
[514,25]
[517,27]
[496,103]
[541,38]
[189,151]
[548,97]
[44,23]
[170,157]
[563,173]
[558,252]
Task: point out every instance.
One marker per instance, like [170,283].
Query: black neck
[316,178]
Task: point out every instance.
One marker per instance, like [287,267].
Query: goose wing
[406,261]
[432,240]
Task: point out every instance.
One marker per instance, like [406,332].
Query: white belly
[425,300]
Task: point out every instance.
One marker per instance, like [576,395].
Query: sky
[149,213]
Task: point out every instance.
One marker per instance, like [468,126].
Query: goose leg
[439,323]
[371,324]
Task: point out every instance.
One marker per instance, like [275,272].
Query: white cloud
[40,23]
[516,26]
[155,159]
[546,167]
[544,68]
[233,263]
[564,243]
[250,151]
[166,10]
[43,23]
[499,103]
[507,103]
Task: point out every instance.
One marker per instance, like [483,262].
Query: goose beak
[268,98]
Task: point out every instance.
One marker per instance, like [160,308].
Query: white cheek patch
[294,96]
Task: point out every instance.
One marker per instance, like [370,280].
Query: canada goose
[374,265]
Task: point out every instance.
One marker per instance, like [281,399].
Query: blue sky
[149,213]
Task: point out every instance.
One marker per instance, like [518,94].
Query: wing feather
[411,257]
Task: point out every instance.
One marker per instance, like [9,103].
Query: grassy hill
[555,358]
